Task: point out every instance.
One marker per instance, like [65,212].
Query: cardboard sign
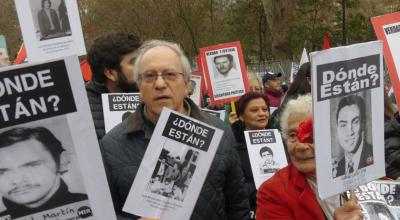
[348,105]
[47,138]
[165,192]
[52,31]
[225,72]
[387,29]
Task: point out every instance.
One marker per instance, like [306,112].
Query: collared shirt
[354,157]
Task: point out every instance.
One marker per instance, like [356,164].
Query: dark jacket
[44,22]
[366,159]
[60,198]
[223,195]
[94,91]
[392,147]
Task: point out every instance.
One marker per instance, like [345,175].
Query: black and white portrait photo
[225,66]
[377,211]
[50,19]
[173,172]
[267,163]
[38,169]
[351,133]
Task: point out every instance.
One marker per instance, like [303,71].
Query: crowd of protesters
[160,71]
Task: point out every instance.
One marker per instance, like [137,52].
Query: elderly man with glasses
[163,74]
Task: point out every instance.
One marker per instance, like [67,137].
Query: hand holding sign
[350,210]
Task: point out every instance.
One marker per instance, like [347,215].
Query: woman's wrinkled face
[255,115]
[302,154]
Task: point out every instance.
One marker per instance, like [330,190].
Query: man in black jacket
[111,59]
[163,74]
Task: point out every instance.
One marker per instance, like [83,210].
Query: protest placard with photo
[117,107]
[373,203]
[391,191]
[174,167]
[217,113]
[46,137]
[195,86]
[266,153]
[225,72]
[387,29]
[50,28]
[347,88]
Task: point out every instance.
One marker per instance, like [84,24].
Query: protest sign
[391,191]
[160,190]
[266,153]
[47,38]
[195,86]
[46,137]
[373,203]
[347,88]
[387,29]
[117,107]
[225,72]
[293,71]
[217,113]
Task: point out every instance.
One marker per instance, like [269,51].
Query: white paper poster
[348,115]
[266,153]
[47,136]
[217,113]
[50,30]
[117,107]
[195,89]
[160,190]
[390,189]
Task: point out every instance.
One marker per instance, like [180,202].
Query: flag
[326,41]
[304,57]
[21,55]
[86,70]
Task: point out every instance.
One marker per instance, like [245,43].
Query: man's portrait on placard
[226,66]
[38,168]
[267,163]
[50,18]
[378,210]
[173,172]
[351,135]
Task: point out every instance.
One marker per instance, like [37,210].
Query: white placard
[50,34]
[348,115]
[117,107]
[266,152]
[217,113]
[195,89]
[50,106]
[160,190]
[391,191]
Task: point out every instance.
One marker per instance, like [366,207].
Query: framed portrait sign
[225,72]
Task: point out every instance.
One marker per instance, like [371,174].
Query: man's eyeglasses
[150,77]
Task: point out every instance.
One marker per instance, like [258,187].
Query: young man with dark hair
[268,165]
[30,172]
[224,65]
[111,59]
[350,125]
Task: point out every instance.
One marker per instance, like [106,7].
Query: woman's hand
[350,210]
[233,117]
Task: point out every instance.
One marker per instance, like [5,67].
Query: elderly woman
[292,192]
[253,114]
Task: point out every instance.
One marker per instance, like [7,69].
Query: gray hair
[253,76]
[300,105]
[146,46]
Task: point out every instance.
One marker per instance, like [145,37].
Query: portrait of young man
[31,165]
[225,66]
[351,136]
[268,165]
